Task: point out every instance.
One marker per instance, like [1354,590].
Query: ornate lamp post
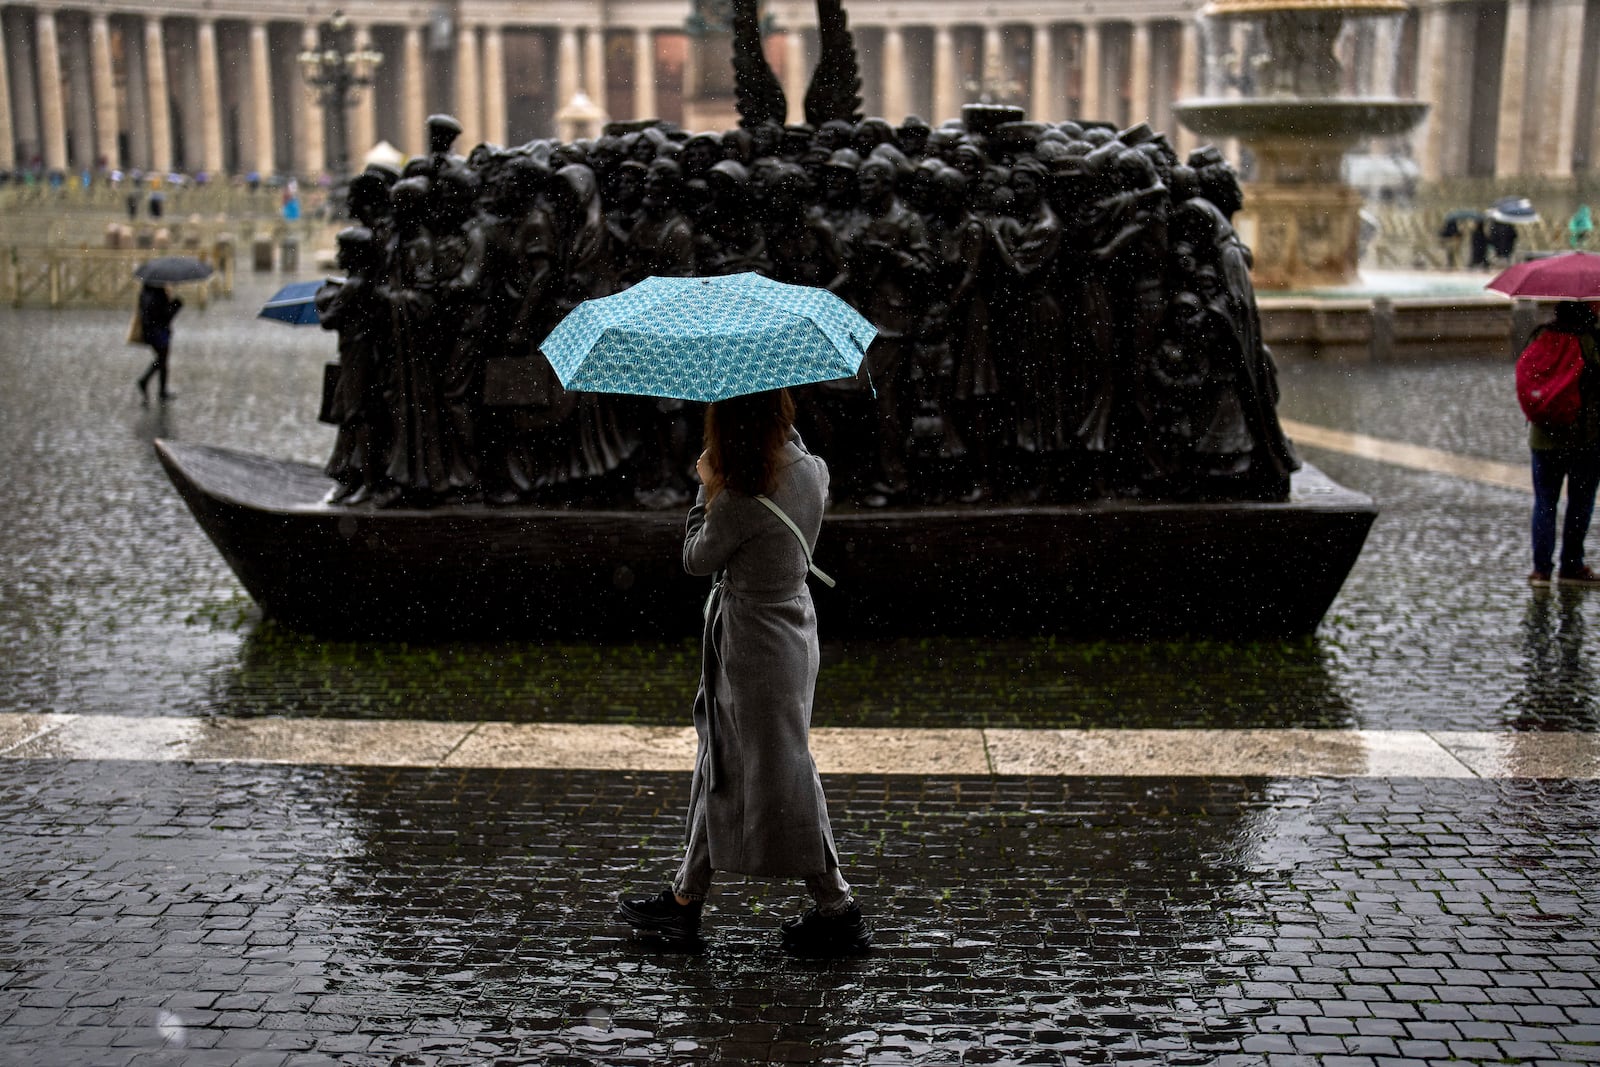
[337,71]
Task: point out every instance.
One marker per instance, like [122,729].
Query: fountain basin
[1342,120]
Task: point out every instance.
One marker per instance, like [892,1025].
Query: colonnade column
[1558,140]
[8,134]
[467,86]
[210,98]
[24,62]
[414,106]
[993,70]
[1513,86]
[1188,83]
[894,74]
[363,109]
[1433,70]
[594,65]
[105,90]
[1089,65]
[494,85]
[567,67]
[795,75]
[314,140]
[945,101]
[155,73]
[1139,91]
[138,154]
[79,99]
[53,136]
[1042,95]
[644,73]
[265,161]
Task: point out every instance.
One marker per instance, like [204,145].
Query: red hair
[744,437]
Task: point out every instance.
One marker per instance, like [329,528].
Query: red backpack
[1547,379]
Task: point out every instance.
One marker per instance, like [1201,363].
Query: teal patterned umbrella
[707,339]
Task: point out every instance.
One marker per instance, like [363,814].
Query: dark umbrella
[169,270]
[295,303]
[1463,214]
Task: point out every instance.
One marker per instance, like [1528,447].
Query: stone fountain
[1301,82]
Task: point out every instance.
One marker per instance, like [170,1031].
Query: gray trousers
[828,888]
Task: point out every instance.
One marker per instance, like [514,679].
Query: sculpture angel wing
[757,93]
[835,91]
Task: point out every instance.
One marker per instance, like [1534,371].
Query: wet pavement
[1097,909]
[231,913]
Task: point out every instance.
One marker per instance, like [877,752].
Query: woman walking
[756,805]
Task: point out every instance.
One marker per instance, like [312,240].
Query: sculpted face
[1024,191]
[875,180]
[661,184]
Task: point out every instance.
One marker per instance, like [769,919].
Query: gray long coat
[755,784]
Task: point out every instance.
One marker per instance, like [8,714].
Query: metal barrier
[98,277]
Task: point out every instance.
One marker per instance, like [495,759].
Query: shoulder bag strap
[787,521]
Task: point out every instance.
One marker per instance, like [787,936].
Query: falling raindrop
[170,1026]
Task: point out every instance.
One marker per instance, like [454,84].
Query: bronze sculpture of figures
[1065,310]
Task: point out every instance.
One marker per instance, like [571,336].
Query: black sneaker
[662,916]
[816,935]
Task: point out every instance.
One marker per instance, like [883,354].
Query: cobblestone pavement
[274,915]
[161,910]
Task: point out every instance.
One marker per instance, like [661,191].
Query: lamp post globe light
[336,70]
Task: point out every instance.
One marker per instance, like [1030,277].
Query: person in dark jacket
[756,805]
[1569,454]
[157,308]
[1478,243]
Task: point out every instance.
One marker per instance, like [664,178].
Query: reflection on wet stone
[466,915]
[946,682]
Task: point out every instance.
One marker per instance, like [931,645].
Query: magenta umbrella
[1569,276]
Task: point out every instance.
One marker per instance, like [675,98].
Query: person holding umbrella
[157,308]
[1567,454]
[756,804]
[1564,441]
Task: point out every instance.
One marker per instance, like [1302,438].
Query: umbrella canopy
[169,270]
[707,339]
[1462,214]
[295,303]
[1569,276]
[1513,210]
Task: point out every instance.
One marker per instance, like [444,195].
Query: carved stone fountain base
[1109,569]
[1300,218]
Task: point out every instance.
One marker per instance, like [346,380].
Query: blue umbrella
[707,339]
[295,303]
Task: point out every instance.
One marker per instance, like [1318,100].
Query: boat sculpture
[1067,422]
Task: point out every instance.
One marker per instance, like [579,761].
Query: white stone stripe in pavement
[1416,457]
[361,742]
